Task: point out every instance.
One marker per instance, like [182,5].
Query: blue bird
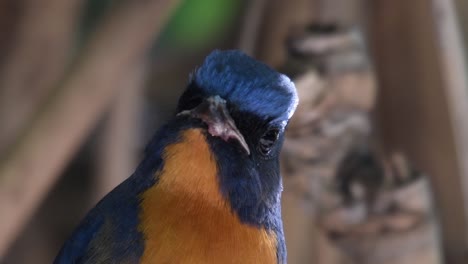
[208,188]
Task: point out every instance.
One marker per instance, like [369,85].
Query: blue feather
[248,84]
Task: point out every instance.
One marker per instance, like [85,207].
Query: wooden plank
[117,147]
[452,59]
[422,100]
[30,168]
[461,7]
[36,52]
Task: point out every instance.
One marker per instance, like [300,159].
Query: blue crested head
[248,84]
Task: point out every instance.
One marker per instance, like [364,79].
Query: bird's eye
[268,140]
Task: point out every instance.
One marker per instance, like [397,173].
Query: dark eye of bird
[268,140]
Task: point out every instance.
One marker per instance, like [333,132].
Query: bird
[208,188]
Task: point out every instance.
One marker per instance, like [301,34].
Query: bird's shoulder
[109,231]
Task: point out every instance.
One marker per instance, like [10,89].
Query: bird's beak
[213,112]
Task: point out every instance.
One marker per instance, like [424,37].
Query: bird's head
[244,105]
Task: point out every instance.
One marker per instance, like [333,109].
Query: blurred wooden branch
[423,100]
[454,68]
[10,15]
[362,212]
[281,19]
[117,153]
[37,57]
[340,12]
[253,18]
[61,124]
[461,8]
[336,95]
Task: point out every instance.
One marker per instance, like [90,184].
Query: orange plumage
[185,219]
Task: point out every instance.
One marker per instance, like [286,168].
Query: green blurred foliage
[195,24]
[198,23]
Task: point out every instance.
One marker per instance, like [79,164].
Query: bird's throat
[186,219]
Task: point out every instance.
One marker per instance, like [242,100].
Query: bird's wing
[76,248]
[109,233]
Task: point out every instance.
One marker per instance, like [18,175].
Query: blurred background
[375,164]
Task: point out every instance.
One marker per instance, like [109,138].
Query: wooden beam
[422,102]
[35,59]
[31,167]
[117,148]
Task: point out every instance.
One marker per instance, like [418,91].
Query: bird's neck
[186,212]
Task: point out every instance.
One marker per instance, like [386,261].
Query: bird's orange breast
[185,219]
